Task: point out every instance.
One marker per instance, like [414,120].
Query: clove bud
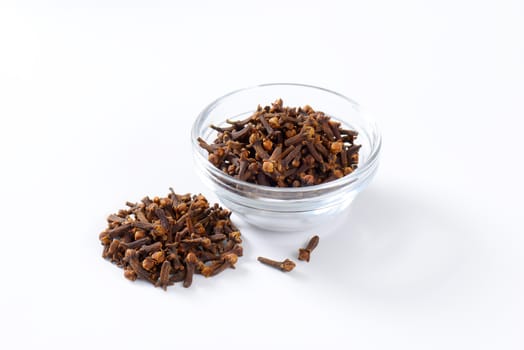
[284,266]
[305,253]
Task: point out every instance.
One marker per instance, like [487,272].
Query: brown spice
[284,147]
[229,260]
[167,240]
[284,266]
[305,253]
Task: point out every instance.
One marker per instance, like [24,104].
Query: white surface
[96,102]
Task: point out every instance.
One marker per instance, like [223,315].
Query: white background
[96,103]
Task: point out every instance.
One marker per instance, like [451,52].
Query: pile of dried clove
[284,147]
[167,240]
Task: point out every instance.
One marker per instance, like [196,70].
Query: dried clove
[191,262]
[229,260]
[168,240]
[164,275]
[284,147]
[285,266]
[305,253]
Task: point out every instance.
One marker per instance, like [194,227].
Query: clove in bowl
[286,209]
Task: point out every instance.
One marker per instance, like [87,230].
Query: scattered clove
[167,240]
[285,266]
[284,147]
[305,253]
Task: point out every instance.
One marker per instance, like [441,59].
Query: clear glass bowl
[286,209]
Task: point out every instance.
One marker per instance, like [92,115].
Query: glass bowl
[286,209]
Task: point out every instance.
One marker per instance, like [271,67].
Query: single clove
[229,260]
[164,275]
[285,266]
[305,253]
[191,262]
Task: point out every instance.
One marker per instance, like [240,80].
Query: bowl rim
[343,181]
